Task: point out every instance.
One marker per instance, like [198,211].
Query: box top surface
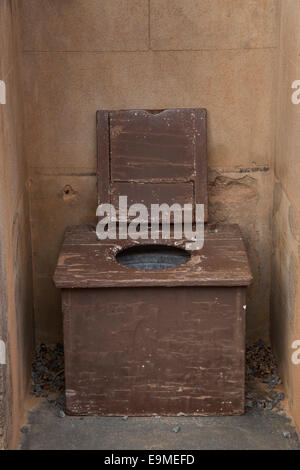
[86,262]
[152,156]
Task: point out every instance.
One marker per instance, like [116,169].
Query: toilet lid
[152,157]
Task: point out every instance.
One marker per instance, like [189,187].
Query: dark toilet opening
[152,256]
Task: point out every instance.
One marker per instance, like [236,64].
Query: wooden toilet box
[166,341]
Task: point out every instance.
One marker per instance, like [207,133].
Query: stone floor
[257,429]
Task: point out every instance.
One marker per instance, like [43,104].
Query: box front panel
[154,350]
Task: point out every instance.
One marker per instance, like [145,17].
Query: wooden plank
[164,351]
[147,146]
[103,167]
[154,148]
[85,261]
[153,193]
[201,177]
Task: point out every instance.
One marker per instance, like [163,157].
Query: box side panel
[154,350]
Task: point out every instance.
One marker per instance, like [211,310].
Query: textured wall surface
[80,56]
[285,298]
[16,322]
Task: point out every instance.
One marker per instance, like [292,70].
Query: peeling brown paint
[85,261]
[152,350]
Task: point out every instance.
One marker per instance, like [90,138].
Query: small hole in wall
[68,193]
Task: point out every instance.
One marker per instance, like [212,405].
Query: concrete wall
[84,55]
[16,322]
[285,298]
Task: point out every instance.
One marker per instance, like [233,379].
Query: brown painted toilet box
[140,342]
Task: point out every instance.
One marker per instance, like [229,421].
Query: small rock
[61,414]
[176,429]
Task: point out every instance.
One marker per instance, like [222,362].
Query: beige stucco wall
[84,55]
[285,298]
[16,322]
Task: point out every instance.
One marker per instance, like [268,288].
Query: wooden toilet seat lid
[152,156]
